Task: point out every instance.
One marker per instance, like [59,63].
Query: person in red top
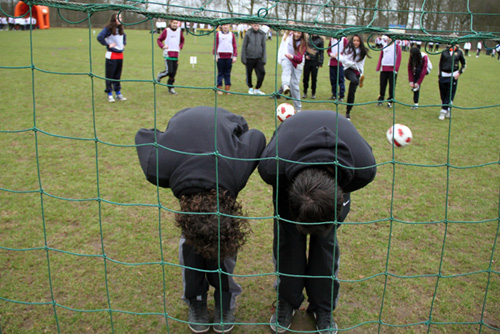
[388,65]
[417,70]
[225,53]
[171,42]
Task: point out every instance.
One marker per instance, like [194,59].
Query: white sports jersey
[173,39]
[225,43]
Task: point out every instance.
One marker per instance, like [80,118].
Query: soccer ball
[402,135]
[284,111]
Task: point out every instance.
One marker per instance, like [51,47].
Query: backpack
[429,64]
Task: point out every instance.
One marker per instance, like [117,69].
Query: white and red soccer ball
[284,111]
[399,134]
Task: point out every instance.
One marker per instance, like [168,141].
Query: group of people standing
[17,23]
[297,54]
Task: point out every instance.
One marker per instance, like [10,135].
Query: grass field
[82,240]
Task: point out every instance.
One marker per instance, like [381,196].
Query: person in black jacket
[313,63]
[451,59]
[254,57]
[314,160]
[206,176]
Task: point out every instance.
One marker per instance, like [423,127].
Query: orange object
[40,13]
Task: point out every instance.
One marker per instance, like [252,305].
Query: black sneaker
[348,115]
[304,96]
[198,317]
[228,320]
[389,105]
[332,97]
[341,99]
[324,322]
[281,320]
[379,104]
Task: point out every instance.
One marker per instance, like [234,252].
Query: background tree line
[434,16]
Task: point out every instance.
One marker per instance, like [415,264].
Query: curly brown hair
[200,222]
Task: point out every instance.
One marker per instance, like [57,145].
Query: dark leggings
[354,79]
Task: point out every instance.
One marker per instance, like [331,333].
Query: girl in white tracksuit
[291,58]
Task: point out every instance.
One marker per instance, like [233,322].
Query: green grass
[433,208]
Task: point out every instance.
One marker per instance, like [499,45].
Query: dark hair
[112,25]
[314,197]
[415,58]
[201,230]
[363,50]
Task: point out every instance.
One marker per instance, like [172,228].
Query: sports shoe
[219,90]
[258,92]
[442,114]
[250,91]
[228,320]
[379,104]
[120,97]
[332,97]
[389,105]
[282,317]
[348,115]
[286,89]
[198,317]
[304,96]
[341,99]
[324,322]
[172,91]
[448,114]
[158,78]
[415,106]
[110,98]
[313,96]
[361,79]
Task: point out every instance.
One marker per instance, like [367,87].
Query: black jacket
[316,43]
[310,137]
[186,160]
[449,63]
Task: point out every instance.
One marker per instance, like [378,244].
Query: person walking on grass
[254,57]
[207,186]
[314,161]
[171,42]
[114,39]
[225,53]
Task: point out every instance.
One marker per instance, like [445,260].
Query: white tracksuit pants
[290,76]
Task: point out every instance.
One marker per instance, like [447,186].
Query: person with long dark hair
[322,158]
[114,38]
[417,70]
[291,57]
[353,61]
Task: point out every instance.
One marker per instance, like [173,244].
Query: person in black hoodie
[312,64]
[314,160]
[199,158]
[449,71]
